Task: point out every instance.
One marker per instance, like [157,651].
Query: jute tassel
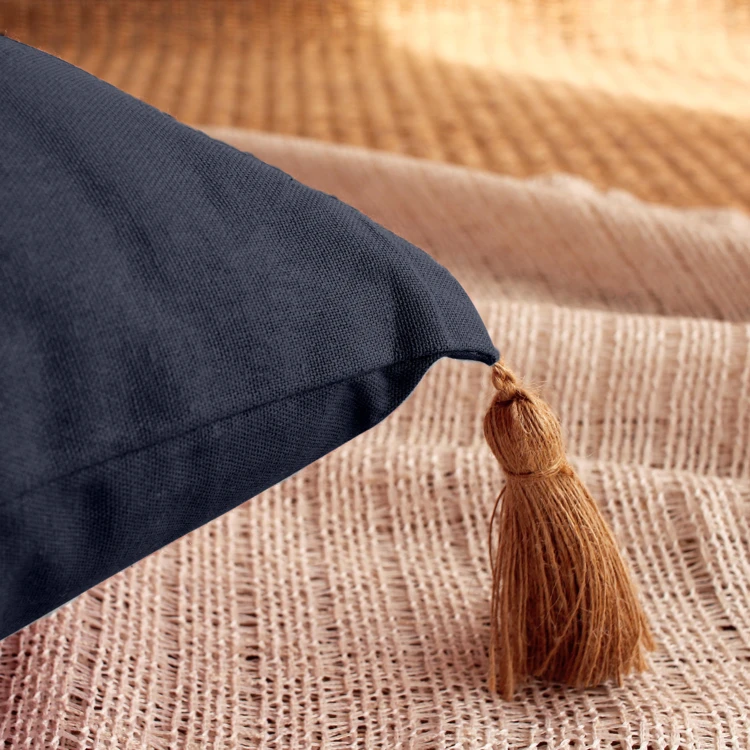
[563,605]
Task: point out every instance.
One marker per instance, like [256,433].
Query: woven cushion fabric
[181,327]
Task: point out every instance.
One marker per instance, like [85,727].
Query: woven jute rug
[348,606]
[652,97]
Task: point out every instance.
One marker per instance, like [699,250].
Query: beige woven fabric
[347,607]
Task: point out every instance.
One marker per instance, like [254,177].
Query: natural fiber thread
[563,605]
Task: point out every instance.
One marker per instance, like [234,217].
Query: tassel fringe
[564,607]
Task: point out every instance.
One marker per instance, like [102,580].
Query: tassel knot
[521,429]
[504,382]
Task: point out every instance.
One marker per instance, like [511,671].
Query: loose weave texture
[348,606]
[651,97]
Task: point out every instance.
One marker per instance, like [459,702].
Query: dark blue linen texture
[181,327]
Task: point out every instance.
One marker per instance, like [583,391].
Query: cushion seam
[439,354]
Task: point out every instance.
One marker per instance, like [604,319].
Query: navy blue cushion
[181,327]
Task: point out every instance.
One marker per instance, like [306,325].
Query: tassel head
[521,429]
[564,607]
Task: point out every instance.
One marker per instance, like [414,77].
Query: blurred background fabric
[583,170]
[649,96]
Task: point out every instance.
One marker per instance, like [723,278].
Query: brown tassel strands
[564,607]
